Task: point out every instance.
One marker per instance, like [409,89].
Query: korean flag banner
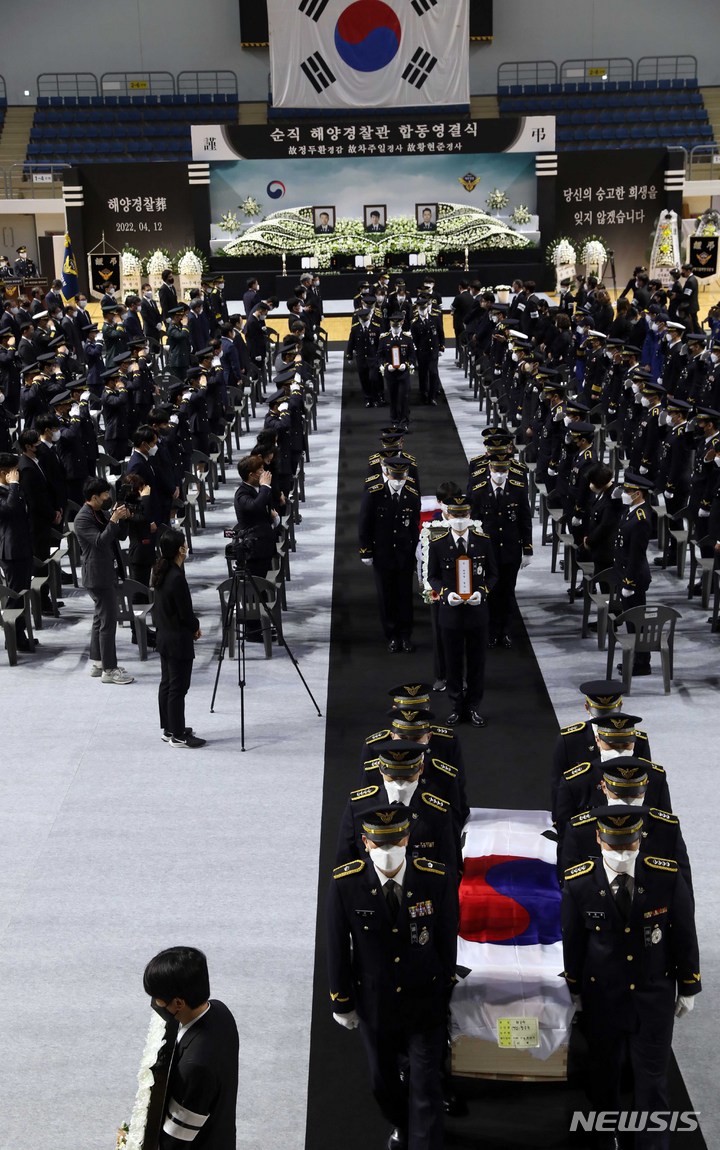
[510,958]
[362,54]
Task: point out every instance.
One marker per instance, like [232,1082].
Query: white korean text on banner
[369,53]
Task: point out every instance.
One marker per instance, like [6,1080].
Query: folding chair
[136,614]
[13,604]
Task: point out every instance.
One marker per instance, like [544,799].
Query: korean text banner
[369,53]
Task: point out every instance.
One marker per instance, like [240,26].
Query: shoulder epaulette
[668,865]
[376,487]
[516,483]
[371,765]
[363,793]
[656,767]
[373,459]
[435,802]
[354,867]
[410,488]
[580,869]
[641,735]
[664,816]
[440,535]
[571,729]
[432,866]
[372,478]
[446,768]
[576,771]
[583,819]
[407,455]
[444,732]
[476,531]
[377,737]
[478,458]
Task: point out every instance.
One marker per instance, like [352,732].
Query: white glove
[626,592]
[402,367]
[525,561]
[643,470]
[350,1020]
[175,419]
[575,521]
[475,599]
[668,494]
[75,414]
[367,562]
[453,599]
[576,1001]
[703,514]
[684,1005]
[297,378]
[389,367]
[187,395]
[551,472]
[85,396]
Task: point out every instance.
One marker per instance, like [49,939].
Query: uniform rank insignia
[348,868]
[583,819]
[376,487]
[652,935]
[655,913]
[580,869]
[378,737]
[446,768]
[664,816]
[575,772]
[363,793]
[435,802]
[668,865]
[432,866]
[572,729]
[445,732]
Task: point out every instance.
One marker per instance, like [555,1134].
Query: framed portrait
[375,216]
[426,217]
[324,220]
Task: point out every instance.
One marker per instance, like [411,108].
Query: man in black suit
[251,296]
[689,307]
[178,629]
[602,518]
[54,297]
[256,523]
[131,320]
[16,557]
[463,622]
[374,224]
[151,318]
[256,339]
[167,295]
[49,428]
[43,514]
[98,535]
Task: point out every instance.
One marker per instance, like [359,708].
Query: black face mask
[166,1015]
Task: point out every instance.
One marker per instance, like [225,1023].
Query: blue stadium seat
[33,149]
[503,90]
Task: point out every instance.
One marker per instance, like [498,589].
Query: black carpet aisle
[507,766]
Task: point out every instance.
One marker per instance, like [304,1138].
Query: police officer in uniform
[463,622]
[392,927]
[396,359]
[402,774]
[389,529]
[501,503]
[631,963]
[24,268]
[392,441]
[632,570]
[429,342]
[363,346]
[576,743]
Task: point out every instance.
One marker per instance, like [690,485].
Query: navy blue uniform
[363,346]
[389,530]
[506,519]
[397,973]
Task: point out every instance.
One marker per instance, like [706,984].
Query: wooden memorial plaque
[395,355]
[464,576]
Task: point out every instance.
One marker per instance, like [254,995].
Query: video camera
[242,547]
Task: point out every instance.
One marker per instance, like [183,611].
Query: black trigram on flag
[315,8]
[318,72]
[423,6]
[421,65]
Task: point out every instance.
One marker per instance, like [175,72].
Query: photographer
[99,536]
[255,523]
[177,630]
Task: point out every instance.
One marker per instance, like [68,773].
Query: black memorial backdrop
[144,206]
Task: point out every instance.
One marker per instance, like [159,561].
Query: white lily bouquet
[131,1136]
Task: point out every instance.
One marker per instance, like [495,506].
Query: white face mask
[636,388]
[623,862]
[605,756]
[82,304]
[497,476]
[626,498]
[459,526]
[618,802]
[401,298]
[395,329]
[148,295]
[653,327]
[153,449]
[514,357]
[55,437]
[400,792]
[396,485]
[387,859]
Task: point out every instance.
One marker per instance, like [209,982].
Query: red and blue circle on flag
[509,900]
[368,35]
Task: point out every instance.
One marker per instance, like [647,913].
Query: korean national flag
[361,54]
[510,958]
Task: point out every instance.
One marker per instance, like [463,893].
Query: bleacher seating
[615,114]
[96,129]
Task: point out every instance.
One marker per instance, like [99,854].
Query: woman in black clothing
[177,629]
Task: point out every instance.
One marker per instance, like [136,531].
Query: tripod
[611,262]
[241,579]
